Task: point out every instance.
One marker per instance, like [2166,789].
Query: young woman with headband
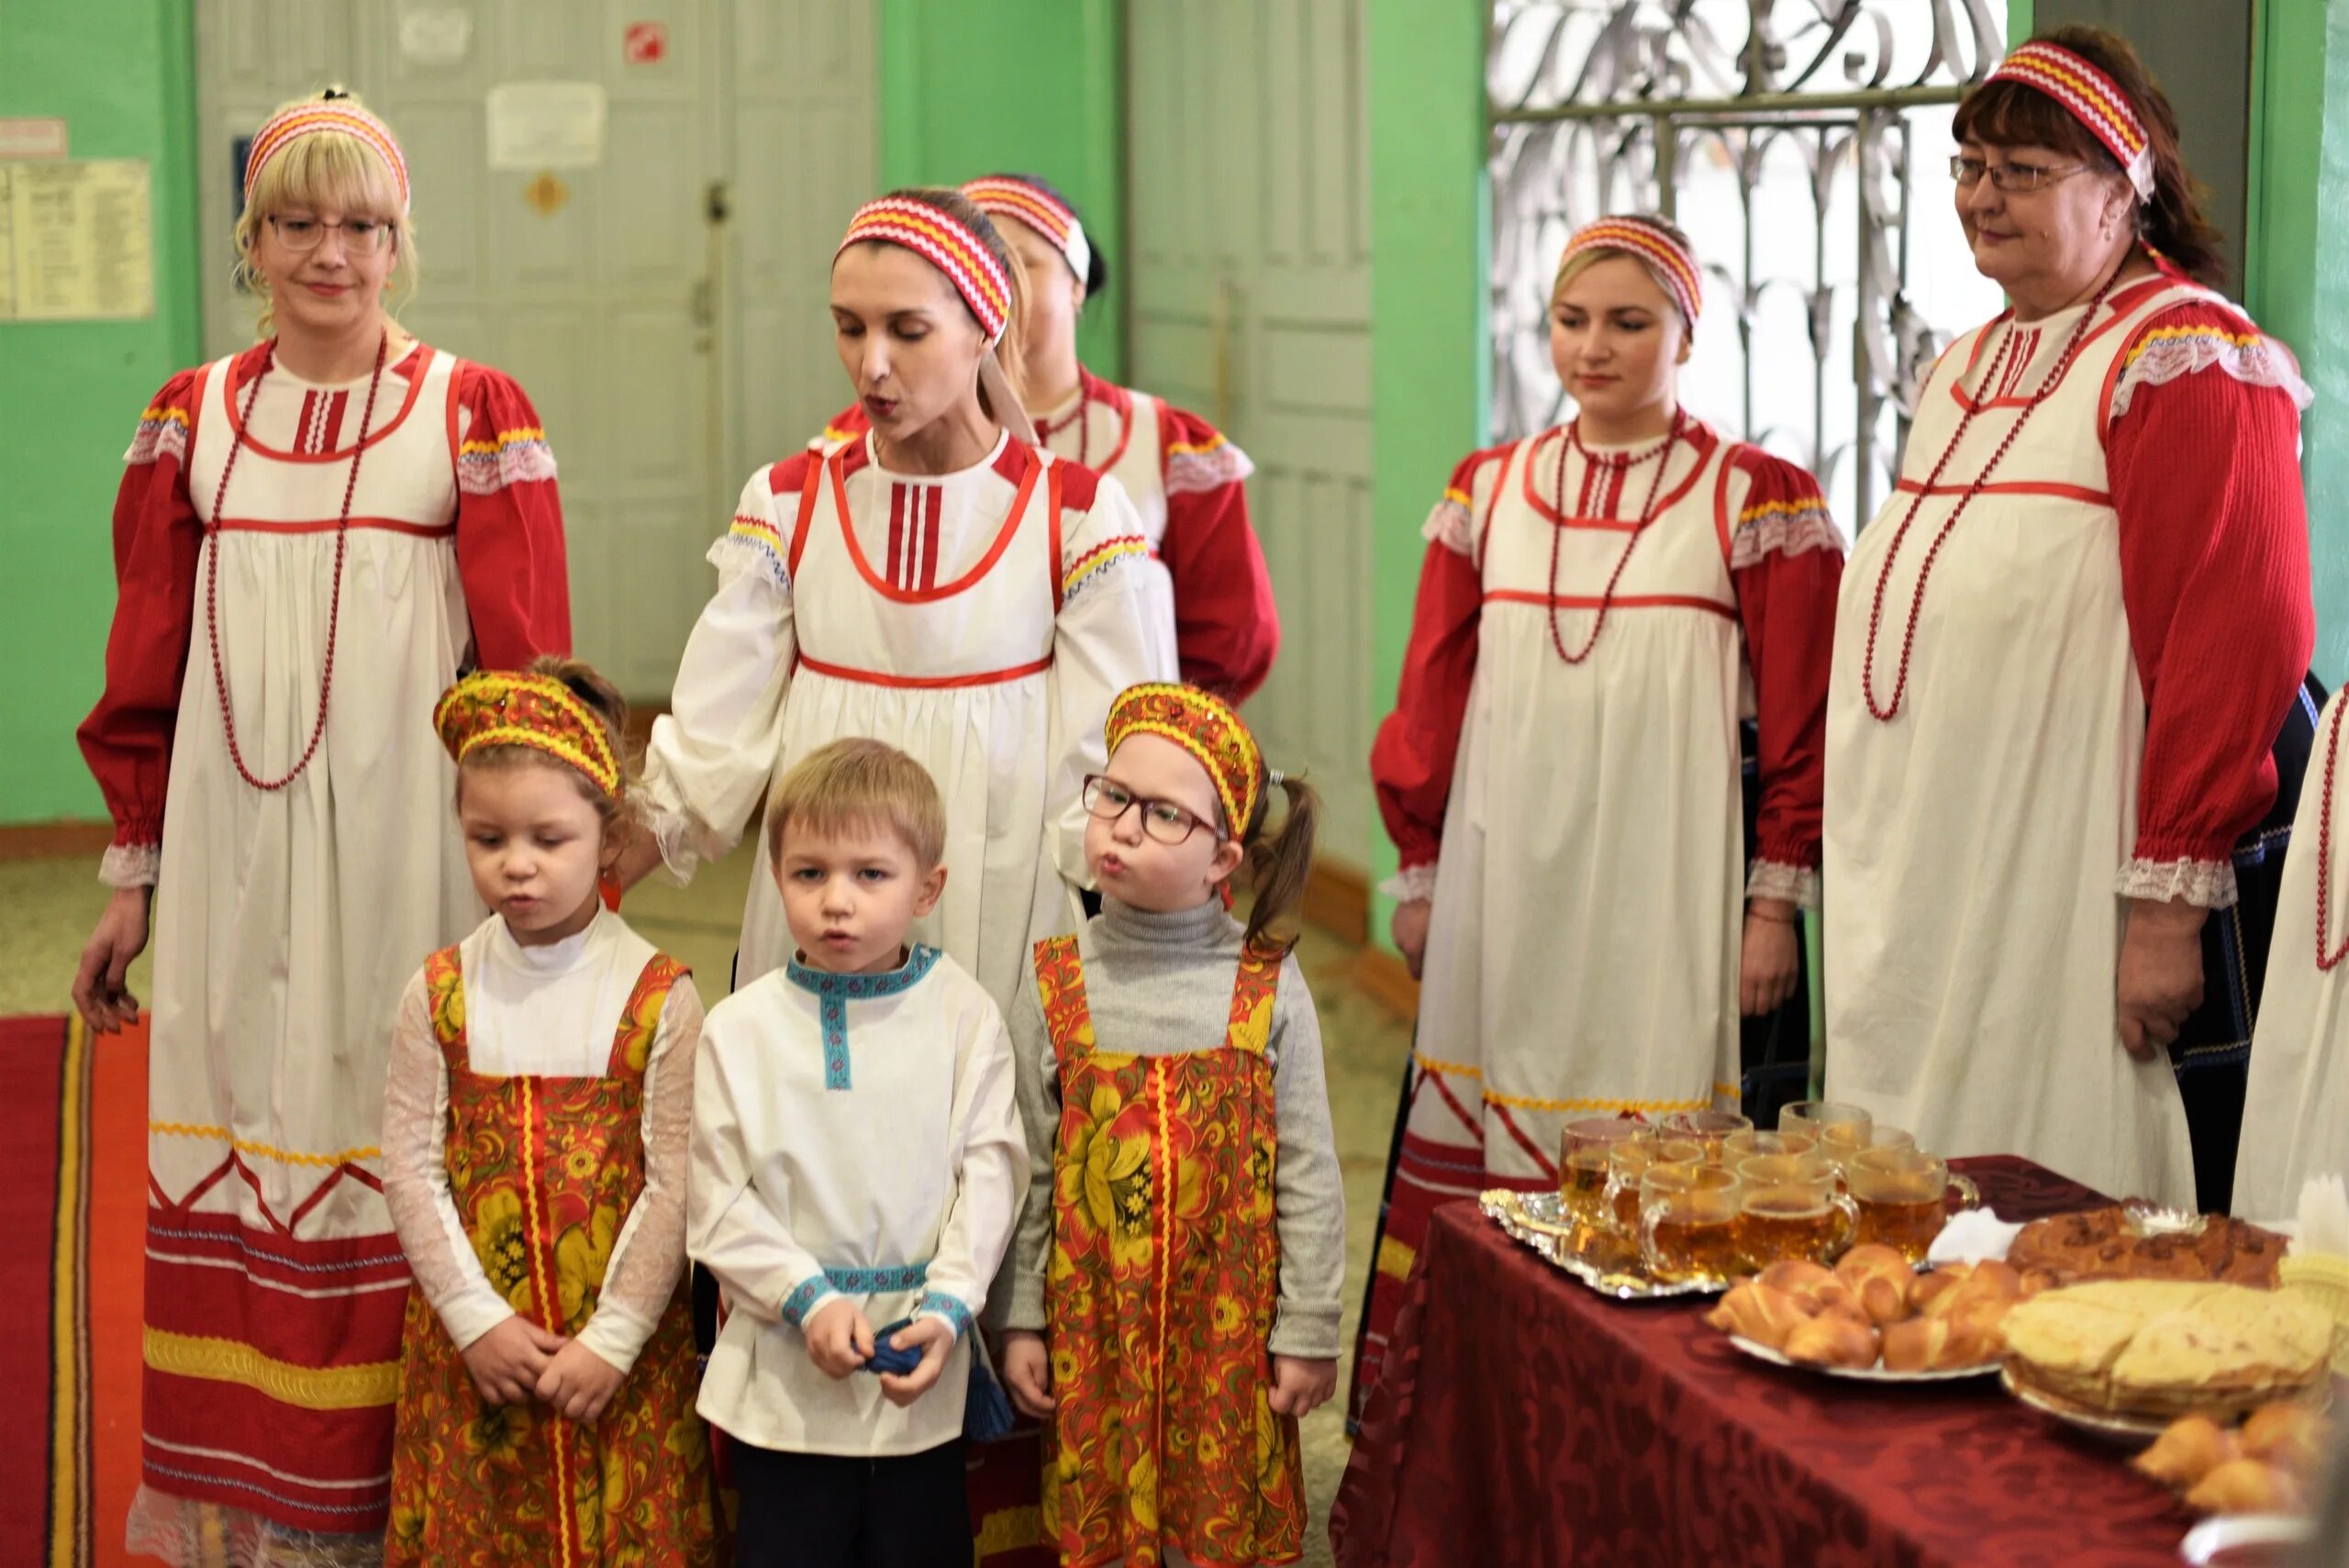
[1601,605]
[939,583]
[1185,478]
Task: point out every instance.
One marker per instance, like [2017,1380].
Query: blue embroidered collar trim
[837,991]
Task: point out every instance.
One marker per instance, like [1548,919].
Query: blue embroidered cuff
[805,1297]
[938,1303]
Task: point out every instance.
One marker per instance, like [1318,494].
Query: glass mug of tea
[1688,1221]
[1740,1147]
[1901,1194]
[1788,1207]
[1582,1163]
[1626,1162]
[1710,1128]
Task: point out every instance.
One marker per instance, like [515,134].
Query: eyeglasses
[303,235]
[2016,179]
[1161,819]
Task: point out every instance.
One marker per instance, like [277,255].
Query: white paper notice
[535,126]
[436,35]
[79,242]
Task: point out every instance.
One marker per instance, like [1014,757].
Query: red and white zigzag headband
[2092,98]
[1674,266]
[333,116]
[998,196]
[942,240]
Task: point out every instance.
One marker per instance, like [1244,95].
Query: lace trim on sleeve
[1211,465]
[162,432]
[416,1187]
[2170,353]
[1102,564]
[1787,528]
[1451,525]
[1412,884]
[1798,886]
[2206,884]
[511,457]
[131,865]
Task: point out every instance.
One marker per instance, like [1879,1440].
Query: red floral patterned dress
[1165,1259]
[544,1172]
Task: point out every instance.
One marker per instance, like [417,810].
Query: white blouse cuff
[1798,886]
[616,1334]
[471,1312]
[2207,884]
[131,865]
[1412,884]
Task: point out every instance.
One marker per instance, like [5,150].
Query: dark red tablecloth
[1523,1420]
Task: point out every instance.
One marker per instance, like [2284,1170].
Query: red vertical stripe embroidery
[929,536]
[330,421]
[896,535]
[306,432]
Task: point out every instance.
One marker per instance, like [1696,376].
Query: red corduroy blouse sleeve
[2202,452]
[1411,759]
[126,739]
[510,524]
[1785,563]
[1227,627]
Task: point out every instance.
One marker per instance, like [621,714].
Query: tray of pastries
[1608,1263]
[1873,1318]
[2125,1357]
[2269,1464]
[2137,1240]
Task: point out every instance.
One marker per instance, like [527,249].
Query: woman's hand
[2159,980]
[101,994]
[638,858]
[1769,959]
[1410,929]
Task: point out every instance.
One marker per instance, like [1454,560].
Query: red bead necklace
[2326,961]
[1625,462]
[1886,712]
[1046,430]
[334,611]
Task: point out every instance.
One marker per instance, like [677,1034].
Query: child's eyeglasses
[1161,819]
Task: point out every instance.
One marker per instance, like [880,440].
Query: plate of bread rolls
[1873,1319]
[2267,1466]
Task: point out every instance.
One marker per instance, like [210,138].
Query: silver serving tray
[1538,1222]
[2110,1426]
[1878,1373]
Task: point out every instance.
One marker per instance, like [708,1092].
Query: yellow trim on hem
[1008,1529]
[244,1146]
[69,1483]
[356,1387]
[1430,1064]
[1531,1103]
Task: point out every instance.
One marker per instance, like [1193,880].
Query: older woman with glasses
[2063,654]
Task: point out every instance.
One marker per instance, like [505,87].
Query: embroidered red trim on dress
[927,682]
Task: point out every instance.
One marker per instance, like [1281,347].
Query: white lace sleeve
[416,1179]
[2206,884]
[131,865]
[2168,353]
[1412,884]
[650,1250]
[1798,886]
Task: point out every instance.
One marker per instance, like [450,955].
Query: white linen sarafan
[1973,843]
[982,621]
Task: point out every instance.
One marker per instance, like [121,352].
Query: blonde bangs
[327,172]
[856,784]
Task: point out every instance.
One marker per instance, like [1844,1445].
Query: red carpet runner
[72,1207]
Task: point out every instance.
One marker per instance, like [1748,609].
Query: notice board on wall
[77,241]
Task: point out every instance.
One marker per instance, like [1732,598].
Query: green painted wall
[2297,267]
[70,393]
[1429,228]
[1018,86]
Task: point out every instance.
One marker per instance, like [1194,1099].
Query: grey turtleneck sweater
[1161,986]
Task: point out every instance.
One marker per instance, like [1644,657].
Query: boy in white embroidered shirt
[857,1164]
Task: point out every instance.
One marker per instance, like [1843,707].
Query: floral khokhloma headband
[504,707]
[1207,728]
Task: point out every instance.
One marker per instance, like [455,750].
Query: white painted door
[1250,275]
[650,334]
